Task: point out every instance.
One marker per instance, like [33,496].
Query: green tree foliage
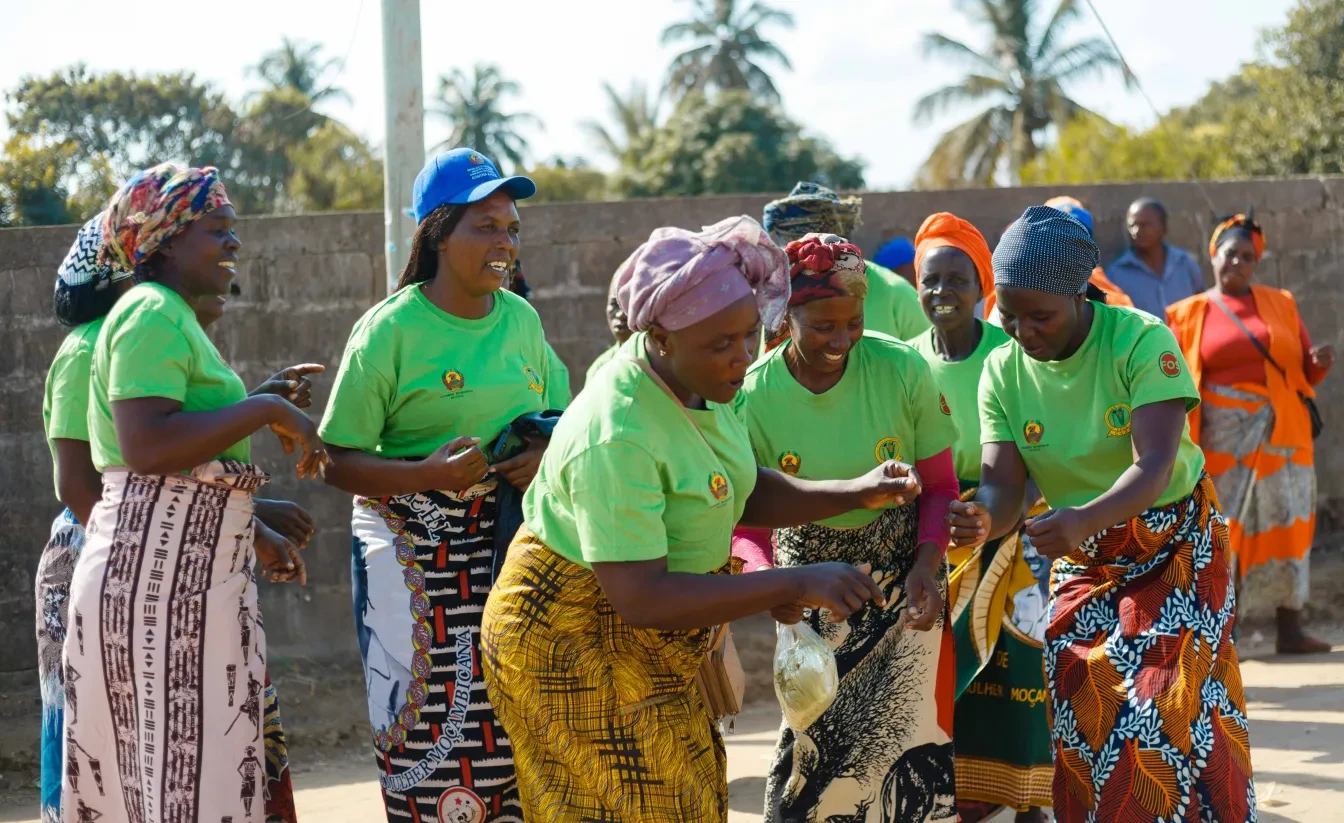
[636,117]
[1091,149]
[1021,75]
[357,185]
[474,107]
[567,181]
[299,66]
[731,143]
[726,46]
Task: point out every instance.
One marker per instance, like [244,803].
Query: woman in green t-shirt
[603,609]
[430,379]
[830,401]
[619,325]
[1091,400]
[166,666]
[997,593]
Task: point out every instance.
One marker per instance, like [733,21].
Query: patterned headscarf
[679,277]
[156,204]
[81,264]
[1045,250]
[1239,225]
[811,208]
[822,266]
[946,229]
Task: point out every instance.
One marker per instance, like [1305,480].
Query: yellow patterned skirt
[604,718]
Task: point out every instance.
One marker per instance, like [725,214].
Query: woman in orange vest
[1255,366]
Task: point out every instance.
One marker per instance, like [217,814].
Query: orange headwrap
[1245,224]
[946,229]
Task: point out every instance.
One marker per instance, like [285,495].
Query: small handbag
[720,679]
[1313,413]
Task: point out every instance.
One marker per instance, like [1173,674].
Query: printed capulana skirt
[605,718]
[165,665]
[1148,713]
[883,750]
[422,568]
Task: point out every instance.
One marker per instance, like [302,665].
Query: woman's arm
[80,485]
[997,505]
[1316,362]
[157,437]
[780,501]
[456,466]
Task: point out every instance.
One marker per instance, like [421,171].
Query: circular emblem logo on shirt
[790,462]
[718,486]
[461,805]
[942,404]
[888,448]
[1033,431]
[453,380]
[533,379]
[1171,364]
[1117,420]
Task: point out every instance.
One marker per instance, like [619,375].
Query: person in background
[430,378]
[830,402]
[1154,274]
[558,393]
[997,606]
[619,325]
[1254,425]
[1091,401]
[892,305]
[166,665]
[898,255]
[1115,296]
[602,613]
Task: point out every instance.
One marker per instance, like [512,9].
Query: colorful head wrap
[895,253]
[1075,209]
[1239,225]
[824,265]
[946,229]
[156,204]
[81,264]
[680,277]
[811,208]
[1047,251]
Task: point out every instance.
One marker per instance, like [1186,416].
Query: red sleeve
[1314,373]
[754,547]
[940,487]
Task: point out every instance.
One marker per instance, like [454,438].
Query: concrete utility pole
[404,114]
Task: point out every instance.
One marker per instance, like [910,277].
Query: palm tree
[726,45]
[473,107]
[1022,78]
[635,115]
[297,65]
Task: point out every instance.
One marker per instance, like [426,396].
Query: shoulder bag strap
[1218,301]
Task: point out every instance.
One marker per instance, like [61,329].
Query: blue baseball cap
[895,253]
[463,176]
[1078,213]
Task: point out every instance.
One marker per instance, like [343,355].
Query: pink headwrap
[680,277]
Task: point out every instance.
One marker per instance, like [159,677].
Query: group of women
[750,444]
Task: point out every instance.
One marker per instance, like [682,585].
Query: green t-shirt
[627,478]
[601,361]
[413,377]
[885,407]
[152,346]
[959,384]
[892,305]
[1071,419]
[558,393]
[65,400]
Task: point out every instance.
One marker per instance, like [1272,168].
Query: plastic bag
[805,676]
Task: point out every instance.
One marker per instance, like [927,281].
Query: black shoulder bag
[1312,412]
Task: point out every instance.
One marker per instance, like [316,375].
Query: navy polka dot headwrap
[1045,250]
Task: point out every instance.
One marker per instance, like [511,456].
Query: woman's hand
[969,523]
[287,518]
[924,601]
[889,485]
[1058,532]
[297,430]
[520,469]
[839,588]
[788,614]
[292,384]
[278,556]
[1323,357]
[456,466]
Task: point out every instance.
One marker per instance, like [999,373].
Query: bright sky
[857,70]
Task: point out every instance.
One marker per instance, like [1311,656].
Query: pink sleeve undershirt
[940,488]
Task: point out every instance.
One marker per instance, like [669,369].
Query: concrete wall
[306,279]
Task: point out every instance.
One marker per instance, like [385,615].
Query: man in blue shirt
[1153,274]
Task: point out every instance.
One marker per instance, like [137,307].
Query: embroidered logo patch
[942,404]
[790,462]
[475,159]
[1117,420]
[461,805]
[534,381]
[1033,431]
[453,380]
[1171,364]
[888,448]
[718,486]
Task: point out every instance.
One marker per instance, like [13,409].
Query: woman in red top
[1254,425]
